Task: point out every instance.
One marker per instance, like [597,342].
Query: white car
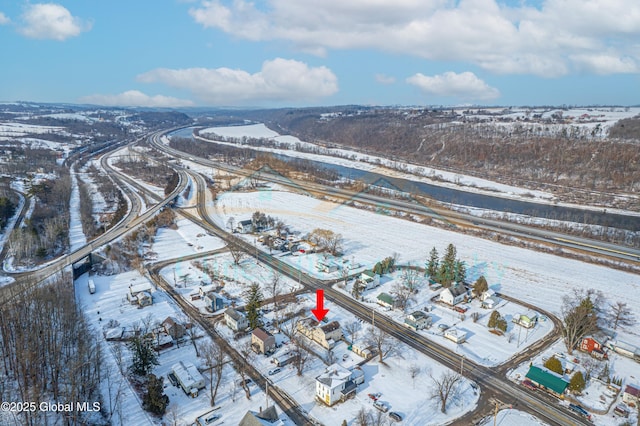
[274,371]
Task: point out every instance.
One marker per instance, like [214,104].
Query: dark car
[395,416]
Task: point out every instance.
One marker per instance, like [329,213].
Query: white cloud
[51,21]
[466,86]
[4,19]
[385,79]
[520,39]
[279,80]
[136,98]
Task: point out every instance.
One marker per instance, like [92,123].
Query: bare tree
[580,313]
[620,314]
[364,417]
[242,366]
[414,371]
[445,387]
[192,333]
[237,252]
[410,278]
[381,341]
[302,353]
[352,329]
[215,358]
[274,288]
[403,295]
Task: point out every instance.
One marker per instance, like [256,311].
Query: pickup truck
[380,406]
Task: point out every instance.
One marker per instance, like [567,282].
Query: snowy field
[537,278]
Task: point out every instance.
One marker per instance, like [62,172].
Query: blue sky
[303,52]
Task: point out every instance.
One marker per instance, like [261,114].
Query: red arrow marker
[319,311]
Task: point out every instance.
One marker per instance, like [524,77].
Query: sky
[277,53]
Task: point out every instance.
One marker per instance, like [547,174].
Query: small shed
[189,378]
[386,300]
[456,335]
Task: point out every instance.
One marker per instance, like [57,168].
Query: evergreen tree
[144,357]
[480,285]
[577,383]
[493,319]
[554,365]
[254,300]
[432,266]
[459,271]
[446,273]
[154,400]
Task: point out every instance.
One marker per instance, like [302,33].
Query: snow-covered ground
[411,398]
[481,346]
[188,238]
[596,397]
[77,238]
[537,278]
[512,417]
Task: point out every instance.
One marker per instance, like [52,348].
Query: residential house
[262,341]
[418,320]
[526,321]
[266,417]
[369,279]
[357,375]
[244,226]
[361,348]
[327,265]
[631,395]
[285,359]
[490,302]
[173,328]
[188,377]
[487,294]
[386,300]
[140,294]
[548,380]
[326,335]
[213,302]
[454,294]
[594,345]
[334,385]
[455,335]
[235,320]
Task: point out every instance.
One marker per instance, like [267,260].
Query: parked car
[578,409]
[395,416]
[528,384]
[274,371]
[380,406]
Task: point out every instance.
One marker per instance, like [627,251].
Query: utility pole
[495,415]
[461,364]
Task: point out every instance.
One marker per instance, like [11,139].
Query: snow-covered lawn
[109,303]
[392,379]
[511,417]
[481,345]
[187,239]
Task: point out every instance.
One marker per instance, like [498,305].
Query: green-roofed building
[548,380]
[386,300]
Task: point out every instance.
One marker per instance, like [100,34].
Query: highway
[452,218]
[26,280]
[497,385]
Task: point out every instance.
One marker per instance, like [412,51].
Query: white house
[456,335]
[490,302]
[235,320]
[188,377]
[140,294]
[418,320]
[334,385]
[454,294]
[244,226]
[326,335]
[386,300]
[370,279]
